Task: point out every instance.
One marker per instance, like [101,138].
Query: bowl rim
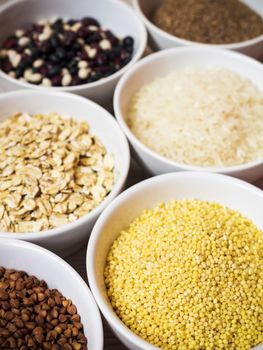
[176,40]
[125,196]
[118,185]
[69,270]
[157,56]
[142,41]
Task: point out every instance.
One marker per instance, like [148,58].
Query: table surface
[78,260]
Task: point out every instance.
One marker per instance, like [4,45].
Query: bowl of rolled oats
[62,159]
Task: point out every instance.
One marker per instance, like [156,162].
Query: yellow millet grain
[188,275]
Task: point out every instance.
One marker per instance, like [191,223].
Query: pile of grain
[204,117]
[188,275]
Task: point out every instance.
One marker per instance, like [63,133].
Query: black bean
[76,46]
[54,71]
[83,55]
[22,65]
[30,33]
[72,63]
[73,70]
[10,43]
[69,37]
[55,41]
[108,74]
[60,53]
[53,58]
[129,49]
[126,60]
[116,51]
[58,25]
[71,22]
[110,54]
[6,65]
[89,80]
[19,49]
[19,72]
[96,46]
[82,33]
[109,34]
[97,76]
[114,41]
[56,80]
[44,70]
[101,60]
[29,60]
[35,53]
[37,28]
[75,80]
[128,41]
[45,56]
[88,40]
[88,21]
[124,54]
[95,37]
[31,45]
[103,69]
[70,54]
[45,47]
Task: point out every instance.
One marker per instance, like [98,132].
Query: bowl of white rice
[197,109]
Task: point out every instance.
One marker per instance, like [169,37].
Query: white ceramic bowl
[225,190]
[66,239]
[112,14]
[163,62]
[59,275]
[163,40]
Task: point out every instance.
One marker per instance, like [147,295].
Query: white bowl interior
[225,190]
[59,275]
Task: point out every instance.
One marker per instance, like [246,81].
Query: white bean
[14,57]
[46,82]
[66,80]
[83,73]
[105,44]
[23,41]
[19,33]
[38,63]
[82,64]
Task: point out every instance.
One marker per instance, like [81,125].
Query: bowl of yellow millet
[175,262]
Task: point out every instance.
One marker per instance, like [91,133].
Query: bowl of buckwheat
[228,24]
[44,303]
[62,159]
[81,48]
[175,262]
